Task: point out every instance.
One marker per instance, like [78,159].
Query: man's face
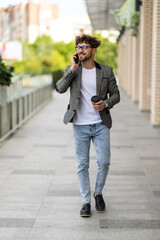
[85,51]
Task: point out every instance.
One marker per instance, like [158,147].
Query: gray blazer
[106,88]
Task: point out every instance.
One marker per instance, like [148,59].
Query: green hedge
[6,73]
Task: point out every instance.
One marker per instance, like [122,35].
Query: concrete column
[135,64]
[127,61]
[146,55]
[119,63]
[121,59]
[155,100]
[130,63]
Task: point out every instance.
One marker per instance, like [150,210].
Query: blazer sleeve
[113,91]
[63,84]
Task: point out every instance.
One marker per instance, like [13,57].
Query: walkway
[39,195]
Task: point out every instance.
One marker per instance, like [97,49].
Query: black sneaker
[99,203]
[86,210]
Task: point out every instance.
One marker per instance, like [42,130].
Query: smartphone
[76,58]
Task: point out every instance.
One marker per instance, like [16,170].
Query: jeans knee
[103,164]
[82,168]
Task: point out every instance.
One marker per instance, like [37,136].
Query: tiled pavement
[39,196]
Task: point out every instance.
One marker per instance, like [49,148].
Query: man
[91,120]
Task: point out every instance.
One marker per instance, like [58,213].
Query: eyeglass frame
[84,47]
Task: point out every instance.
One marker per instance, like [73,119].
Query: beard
[85,58]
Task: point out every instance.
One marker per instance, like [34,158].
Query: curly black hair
[93,41]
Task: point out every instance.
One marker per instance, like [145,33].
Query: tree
[45,55]
[43,46]
[107,52]
[58,61]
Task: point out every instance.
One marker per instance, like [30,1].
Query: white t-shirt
[85,113]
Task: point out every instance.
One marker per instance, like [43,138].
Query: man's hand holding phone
[76,58]
[74,62]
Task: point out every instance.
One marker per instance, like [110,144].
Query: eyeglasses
[84,47]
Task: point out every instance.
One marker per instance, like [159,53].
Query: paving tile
[129,234]
[55,193]
[50,233]
[34,172]
[130,223]
[150,158]
[20,206]
[76,223]
[88,235]
[156,193]
[16,222]
[50,145]
[127,173]
[14,233]
[130,214]
[10,196]
[18,214]
[10,156]
[122,146]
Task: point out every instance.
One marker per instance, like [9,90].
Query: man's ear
[94,51]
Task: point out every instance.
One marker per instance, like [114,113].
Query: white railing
[21,100]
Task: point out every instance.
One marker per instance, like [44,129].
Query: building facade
[27,21]
[139,55]
[139,61]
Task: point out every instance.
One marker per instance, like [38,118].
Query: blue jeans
[100,136]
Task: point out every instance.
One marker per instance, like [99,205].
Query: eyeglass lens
[84,47]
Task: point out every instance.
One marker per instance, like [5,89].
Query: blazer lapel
[78,78]
[98,80]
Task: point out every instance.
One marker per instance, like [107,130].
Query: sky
[66,7]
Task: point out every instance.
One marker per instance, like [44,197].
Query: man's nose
[81,50]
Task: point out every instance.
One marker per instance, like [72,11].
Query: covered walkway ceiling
[101,13]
